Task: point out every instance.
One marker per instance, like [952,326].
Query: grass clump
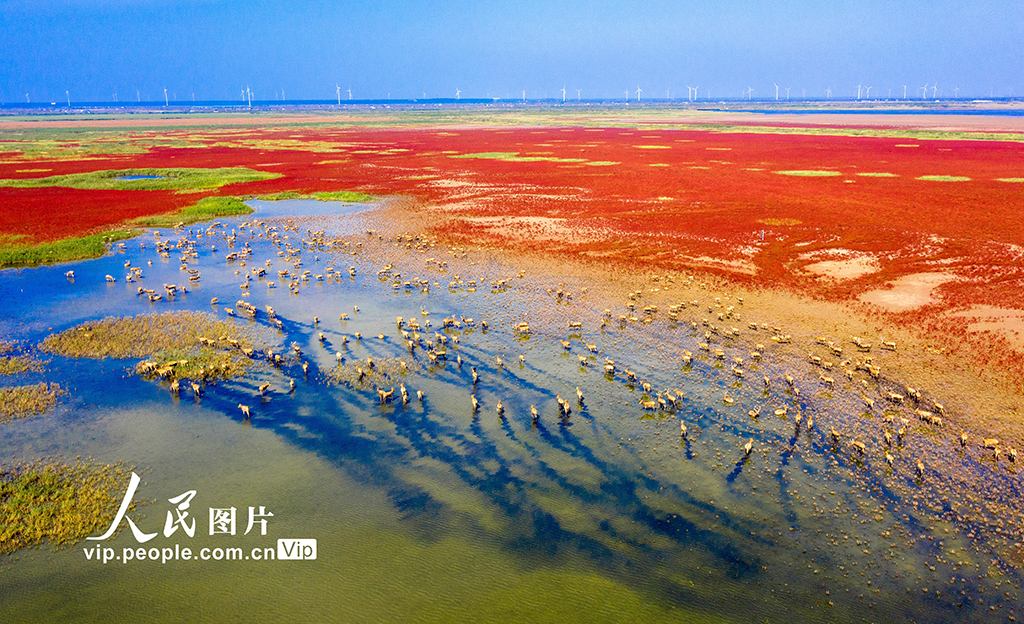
[205,364]
[878,175]
[164,180]
[810,173]
[1017,180]
[57,503]
[205,209]
[27,401]
[13,253]
[353,197]
[16,364]
[145,335]
[178,345]
[944,178]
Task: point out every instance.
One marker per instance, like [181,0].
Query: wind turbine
[776,92]
[578,91]
[69,98]
[524,95]
[867,96]
[457,93]
[638,91]
[858,91]
[627,97]
[166,103]
[349,93]
[563,94]
[27,101]
[935,89]
[904,92]
[787,93]
[828,93]
[750,93]
[337,87]
[138,95]
[956,92]
[924,92]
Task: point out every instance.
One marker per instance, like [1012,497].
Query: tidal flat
[378,356]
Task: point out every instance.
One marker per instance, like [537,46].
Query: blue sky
[303,48]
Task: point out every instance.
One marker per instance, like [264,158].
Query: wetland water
[431,511]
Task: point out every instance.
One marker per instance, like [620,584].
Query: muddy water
[430,511]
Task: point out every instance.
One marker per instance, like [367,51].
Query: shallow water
[431,512]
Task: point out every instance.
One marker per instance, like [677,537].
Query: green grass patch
[944,178]
[16,364]
[653,146]
[878,175]
[13,253]
[205,209]
[50,502]
[810,173]
[1018,180]
[148,334]
[352,197]
[658,165]
[169,180]
[27,401]
[602,163]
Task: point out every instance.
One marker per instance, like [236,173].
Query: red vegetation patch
[718,198]
[45,214]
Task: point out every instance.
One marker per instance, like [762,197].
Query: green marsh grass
[354,197]
[170,341]
[27,401]
[810,173]
[944,178]
[15,364]
[171,179]
[205,209]
[55,503]
[146,335]
[14,253]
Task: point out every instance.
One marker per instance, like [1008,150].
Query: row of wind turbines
[863,93]
[692,95]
